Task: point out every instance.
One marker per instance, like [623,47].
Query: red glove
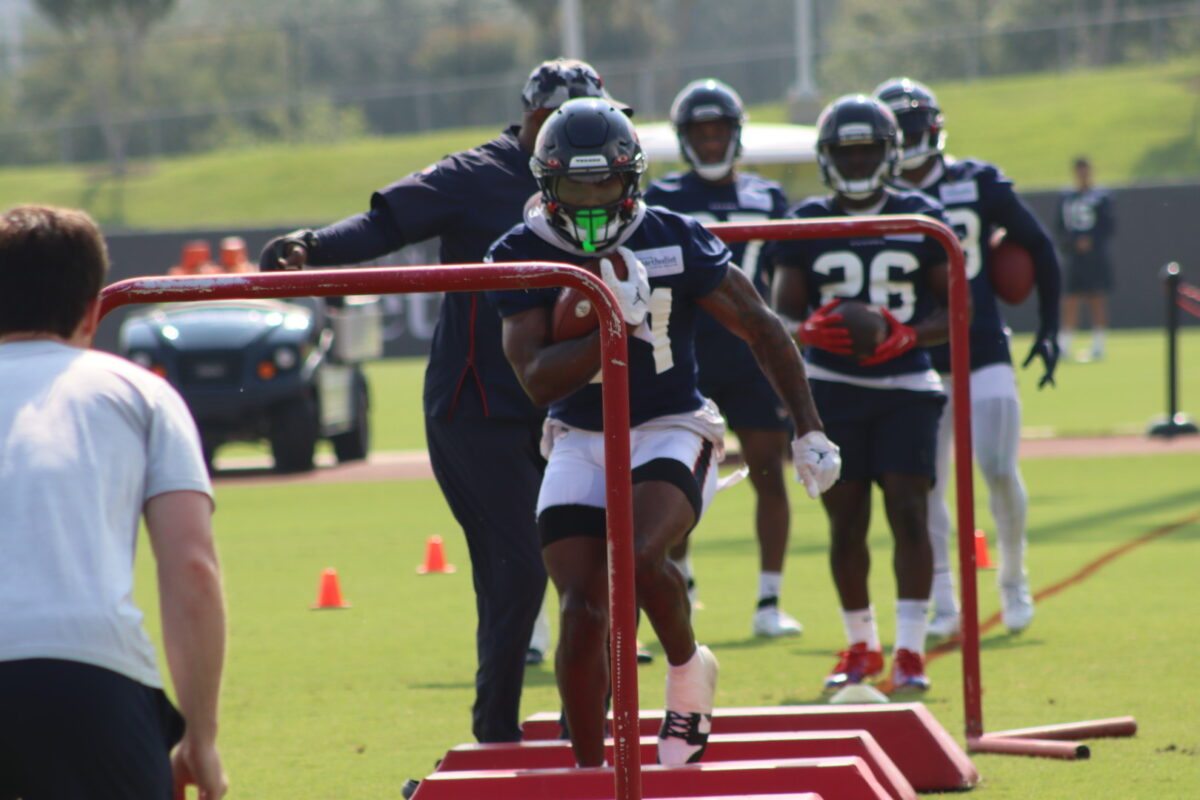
[901,339]
[824,330]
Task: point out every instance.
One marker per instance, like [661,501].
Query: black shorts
[1089,273]
[72,731]
[880,431]
[729,374]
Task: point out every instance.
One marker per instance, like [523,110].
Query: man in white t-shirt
[89,444]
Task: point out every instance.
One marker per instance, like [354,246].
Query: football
[1010,269]
[868,328]
[573,314]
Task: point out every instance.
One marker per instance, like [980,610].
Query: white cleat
[771,621]
[1016,606]
[944,625]
[691,688]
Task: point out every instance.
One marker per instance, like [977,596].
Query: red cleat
[854,666]
[908,671]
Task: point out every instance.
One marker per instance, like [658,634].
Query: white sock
[688,687]
[860,626]
[769,584]
[910,625]
[1098,341]
[943,596]
[1064,343]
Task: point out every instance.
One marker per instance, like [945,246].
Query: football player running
[882,411]
[979,200]
[708,116]
[588,164]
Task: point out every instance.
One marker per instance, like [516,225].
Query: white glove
[633,293]
[818,462]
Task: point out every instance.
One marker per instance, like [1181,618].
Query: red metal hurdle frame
[1051,740]
[615,393]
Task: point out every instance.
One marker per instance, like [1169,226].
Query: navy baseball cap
[553,83]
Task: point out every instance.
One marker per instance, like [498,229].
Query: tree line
[107,80]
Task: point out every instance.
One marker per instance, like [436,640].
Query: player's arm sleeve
[356,239]
[415,208]
[1025,229]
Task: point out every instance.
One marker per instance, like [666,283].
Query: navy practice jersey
[468,199]
[1087,213]
[750,198]
[978,199]
[890,272]
[685,262]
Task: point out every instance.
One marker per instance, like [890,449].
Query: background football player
[979,199]
[708,116]
[1086,224]
[882,411]
[588,164]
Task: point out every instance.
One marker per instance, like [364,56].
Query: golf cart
[284,371]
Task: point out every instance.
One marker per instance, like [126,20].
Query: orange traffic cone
[982,560]
[329,594]
[435,557]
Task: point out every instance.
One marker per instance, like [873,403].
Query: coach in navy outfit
[481,428]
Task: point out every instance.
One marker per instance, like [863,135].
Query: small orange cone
[329,594]
[435,557]
[982,560]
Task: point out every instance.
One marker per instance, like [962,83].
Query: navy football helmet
[704,101]
[588,164]
[921,121]
[858,145]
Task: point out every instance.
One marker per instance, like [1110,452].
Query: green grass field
[348,704]
[1100,112]
[1119,395]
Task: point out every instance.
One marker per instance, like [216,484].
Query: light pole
[803,101]
[570,22]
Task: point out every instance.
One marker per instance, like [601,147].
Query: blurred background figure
[195,259]
[708,115]
[233,255]
[1085,227]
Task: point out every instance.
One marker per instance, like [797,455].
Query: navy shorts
[1089,273]
[880,431]
[74,731]
[729,374]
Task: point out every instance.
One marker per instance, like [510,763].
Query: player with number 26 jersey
[888,272]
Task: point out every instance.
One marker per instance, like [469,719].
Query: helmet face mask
[920,120]
[858,146]
[708,101]
[588,164]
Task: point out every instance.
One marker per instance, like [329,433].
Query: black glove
[1045,344]
[288,252]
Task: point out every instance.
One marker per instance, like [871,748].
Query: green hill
[1138,123]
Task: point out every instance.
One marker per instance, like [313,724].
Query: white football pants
[995,437]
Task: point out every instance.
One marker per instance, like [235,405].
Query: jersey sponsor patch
[958,192]
[661,261]
[753,199]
